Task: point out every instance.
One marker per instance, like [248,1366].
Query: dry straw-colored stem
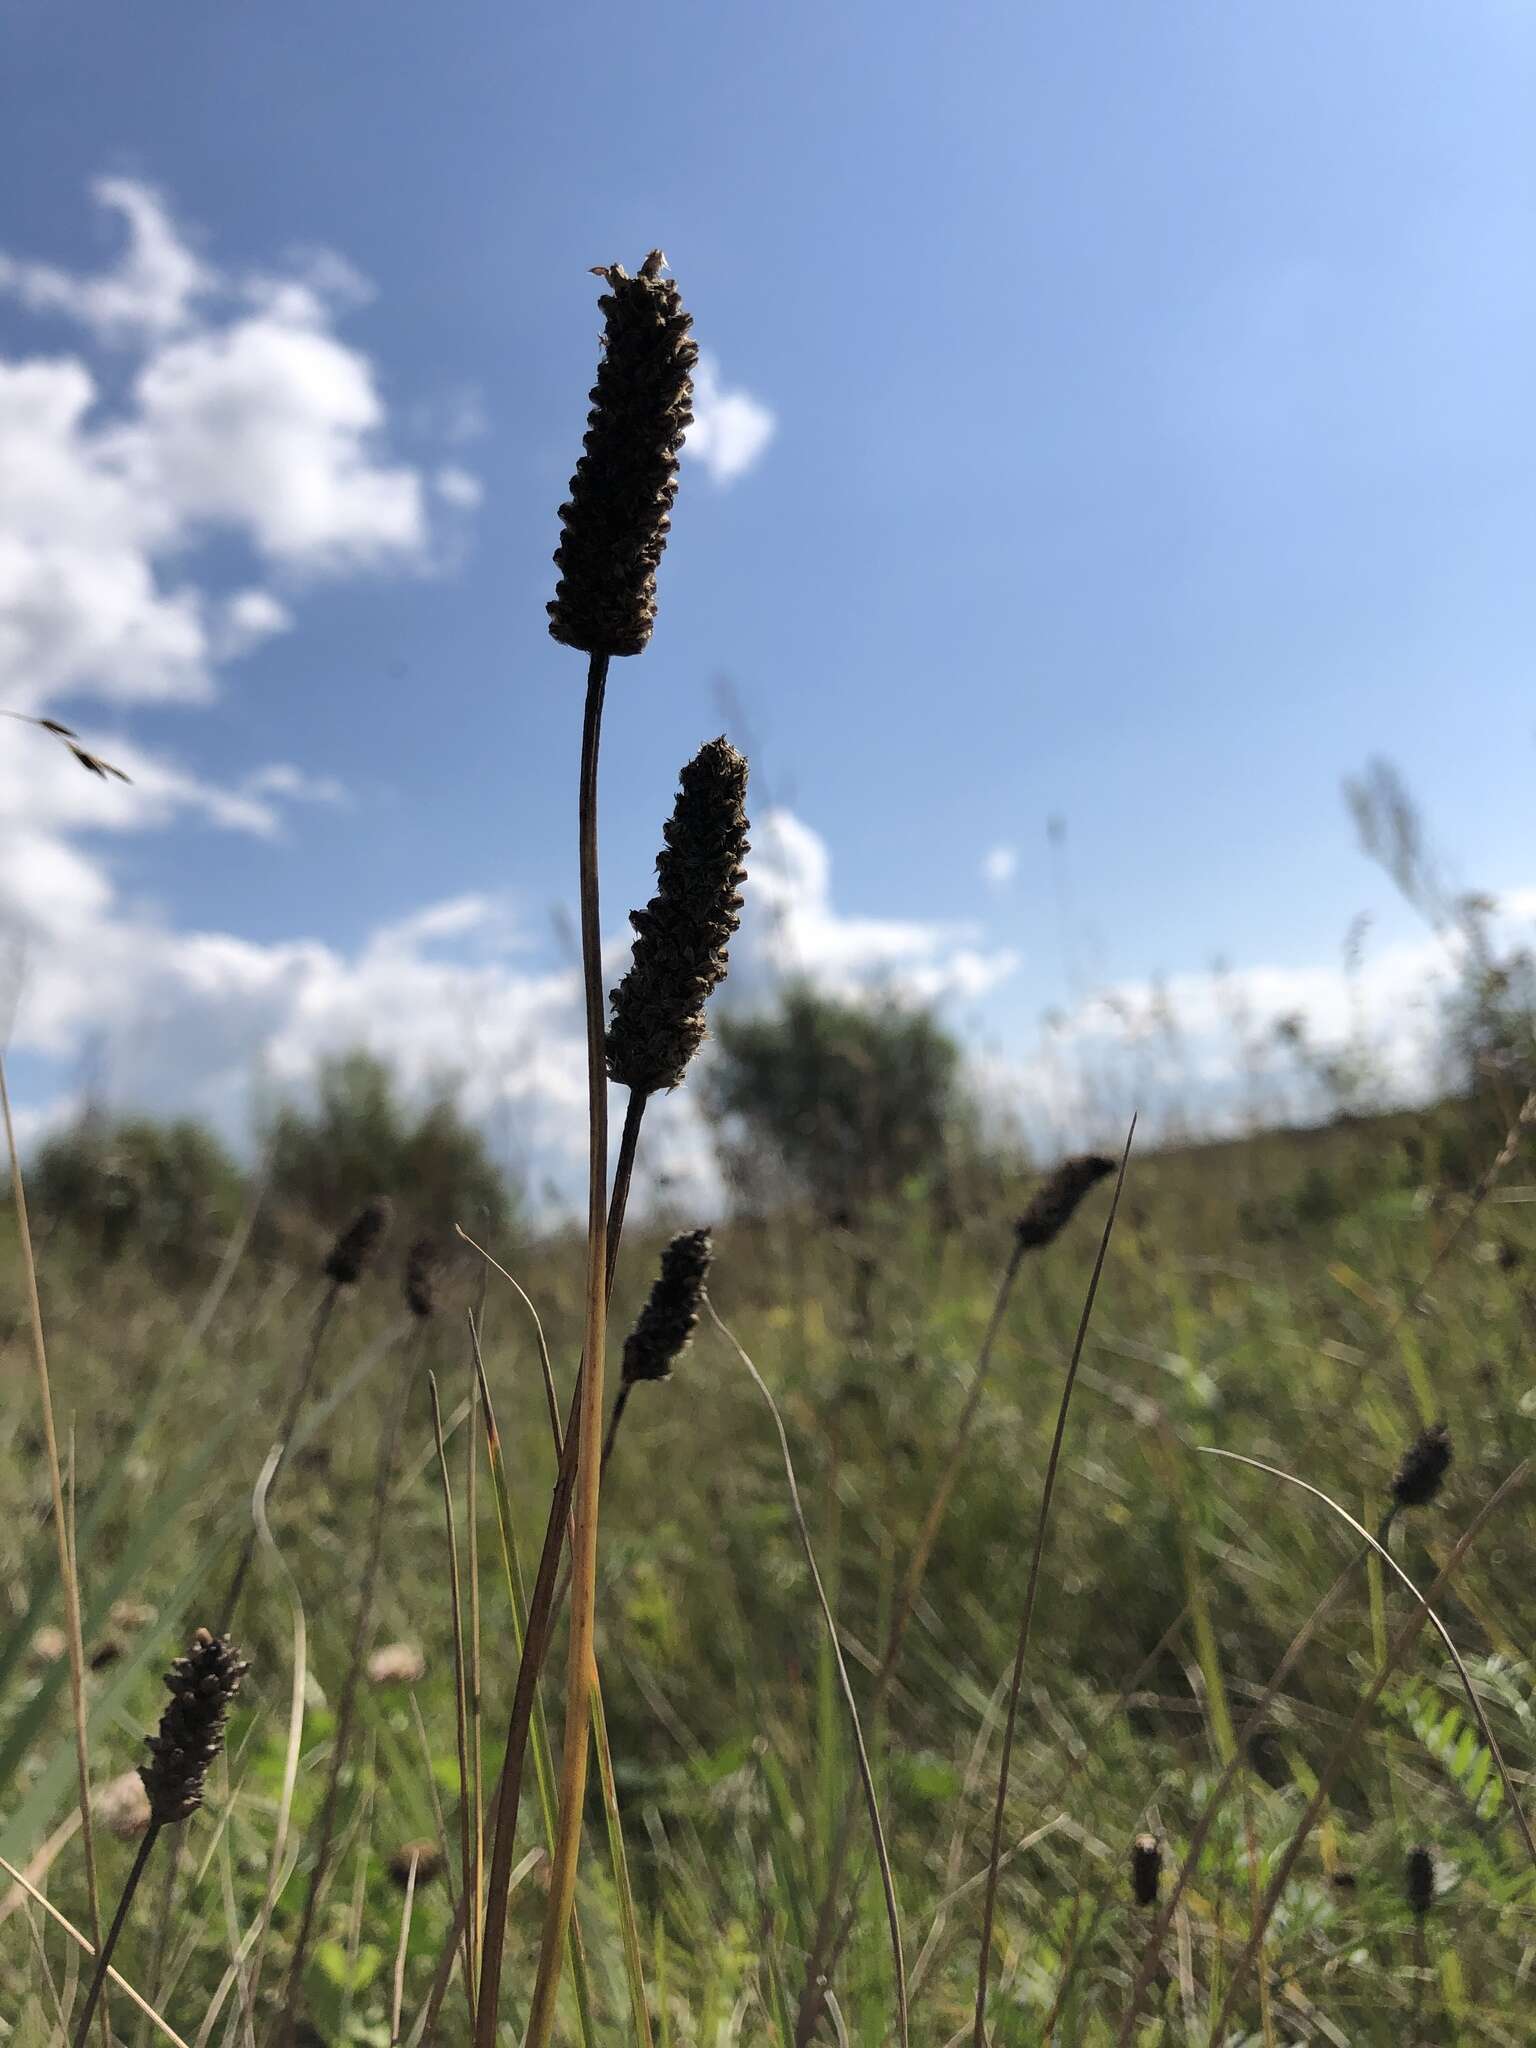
[68,1578]
[109,1946]
[1047,1494]
[120,1983]
[1401,1644]
[866,1775]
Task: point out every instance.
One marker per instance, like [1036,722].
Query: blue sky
[1151,443]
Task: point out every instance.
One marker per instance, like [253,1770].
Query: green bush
[165,1193]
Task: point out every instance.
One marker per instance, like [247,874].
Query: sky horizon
[1113,432]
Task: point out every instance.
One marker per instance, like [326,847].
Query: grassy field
[1312,1300]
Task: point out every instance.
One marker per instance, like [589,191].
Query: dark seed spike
[1146,1869]
[191,1731]
[614,525]
[1422,1471]
[1056,1200]
[1419,1880]
[667,1321]
[681,936]
[423,1271]
[353,1251]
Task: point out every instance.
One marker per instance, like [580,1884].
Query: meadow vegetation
[860,1773]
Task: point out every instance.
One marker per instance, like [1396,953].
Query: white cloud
[282,779]
[1000,866]
[793,928]
[458,487]
[245,417]
[730,430]
[150,290]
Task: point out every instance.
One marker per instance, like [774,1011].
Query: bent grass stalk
[866,1775]
[1401,1644]
[68,1580]
[989,1901]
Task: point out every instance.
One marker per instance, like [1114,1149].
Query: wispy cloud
[1000,865]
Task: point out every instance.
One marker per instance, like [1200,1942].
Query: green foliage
[849,1101]
[164,1193]
[357,1138]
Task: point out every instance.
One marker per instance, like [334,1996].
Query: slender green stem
[989,1901]
[866,1775]
[832,1929]
[296,1399]
[362,1620]
[107,1948]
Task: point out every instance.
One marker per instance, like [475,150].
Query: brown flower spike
[191,1732]
[614,525]
[1422,1471]
[353,1250]
[1146,1869]
[681,936]
[667,1321]
[1056,1200]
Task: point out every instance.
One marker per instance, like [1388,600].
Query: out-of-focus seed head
[353,1251]
[1055,1202]
[681,936]
[424,1856]
[667,1321]
[1419,1880]
[1421,1474]
[191,1731]
[423,1275]
[614,524]
[1146,1869]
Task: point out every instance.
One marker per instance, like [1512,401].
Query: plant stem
[831,1933]
[579,1472]
[345,1710]
[296,1399]
[579,1667]
[68,1578]
[989,1902]
[105,1950]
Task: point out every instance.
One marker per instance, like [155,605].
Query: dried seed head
[667,1321]
[350,1255]
[425,1855]
[1424,1465]
[423,1272]
[191,1733]
[1419,1880]
[1054,1203]
[1146,1869]
[614,525]
[682,934]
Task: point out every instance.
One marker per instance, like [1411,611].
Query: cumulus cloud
[245,417]
[730,430]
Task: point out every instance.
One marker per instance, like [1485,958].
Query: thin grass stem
[1047,1493]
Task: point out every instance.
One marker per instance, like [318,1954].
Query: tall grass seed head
[1146,1869]
[191,1733]
[1057,1199]
[668,1320]
[423,1274]
[613,527]
[682,935]
[1422,1471]
[1419,1880]
[353,1251]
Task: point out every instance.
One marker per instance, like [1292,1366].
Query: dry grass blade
[68,1579]
[1489,1739]
[469,1896]
[887,1881]
[398,1998]
[120,1983]
[1402,1643]
[989,1903]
